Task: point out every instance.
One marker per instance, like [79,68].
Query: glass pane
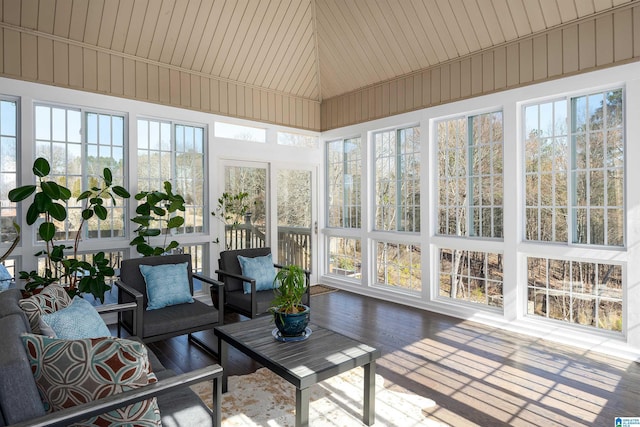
[244,133]
[248,231]
[294,217]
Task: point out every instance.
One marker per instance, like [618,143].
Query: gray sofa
[20,403]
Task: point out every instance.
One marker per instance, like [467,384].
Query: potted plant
[291,316]
[49,206]
[158,212]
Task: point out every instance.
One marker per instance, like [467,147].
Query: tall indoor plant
[158,211]
[49,205]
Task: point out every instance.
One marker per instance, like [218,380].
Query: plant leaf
[151,232]
[47,231]
[87,214]
[121,192]
[101,212]
[84,195]
[57,211]
[108,177]
[51,189]
[32,214]
[41,167]
[21,193]
[65,193]
[175,222]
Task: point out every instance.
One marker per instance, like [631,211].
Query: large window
[397,169]
[345,257]
[578,292]
[8,167]
[586,173]
[344,168]
[471,276]
[398,266]
[174,152]
[78,158]
[470,182]
[597,169]
[546,171]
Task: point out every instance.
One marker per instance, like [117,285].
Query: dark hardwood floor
[477,375]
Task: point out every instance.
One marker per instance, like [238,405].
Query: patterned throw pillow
[167,284]
[78,320]
[52,298]
[259,268]
[73,372]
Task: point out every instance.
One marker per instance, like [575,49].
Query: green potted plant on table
[49,208]
[291,316]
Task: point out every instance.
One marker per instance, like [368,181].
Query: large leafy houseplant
[158,212]
[50,205]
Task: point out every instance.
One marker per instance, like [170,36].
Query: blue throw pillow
[77,321]
[167,284]
[259,268]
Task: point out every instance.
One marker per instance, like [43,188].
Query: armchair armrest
[139,301]
[97,407]
[254,301]
[217,289]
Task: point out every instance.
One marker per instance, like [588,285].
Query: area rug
[264,399]
[321,289]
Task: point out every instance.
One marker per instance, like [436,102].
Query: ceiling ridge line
[594,16]
[314,20]
[148,61]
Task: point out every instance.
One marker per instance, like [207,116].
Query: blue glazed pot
[292,325]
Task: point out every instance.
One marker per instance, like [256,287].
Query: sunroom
[494,183]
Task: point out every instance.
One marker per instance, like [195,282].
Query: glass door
[245,215]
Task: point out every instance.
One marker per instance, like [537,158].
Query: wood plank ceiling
[312,49]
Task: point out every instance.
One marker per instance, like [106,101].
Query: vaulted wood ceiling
[313,49]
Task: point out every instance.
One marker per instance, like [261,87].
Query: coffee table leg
[302,407]
[223,354]
[369,410]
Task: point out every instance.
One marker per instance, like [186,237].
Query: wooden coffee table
[322,355]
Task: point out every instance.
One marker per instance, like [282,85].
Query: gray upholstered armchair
[173,320]
[256,302]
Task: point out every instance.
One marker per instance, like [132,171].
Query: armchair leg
[197,341]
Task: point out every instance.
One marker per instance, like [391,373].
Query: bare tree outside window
[472,276]
[250,231]
[583,293]
[470,181]
[344,168]
[397,168]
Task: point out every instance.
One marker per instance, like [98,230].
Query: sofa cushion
[167,285]
[52,298]
[259,268]
[73,372]
[78,320]
[19,397]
